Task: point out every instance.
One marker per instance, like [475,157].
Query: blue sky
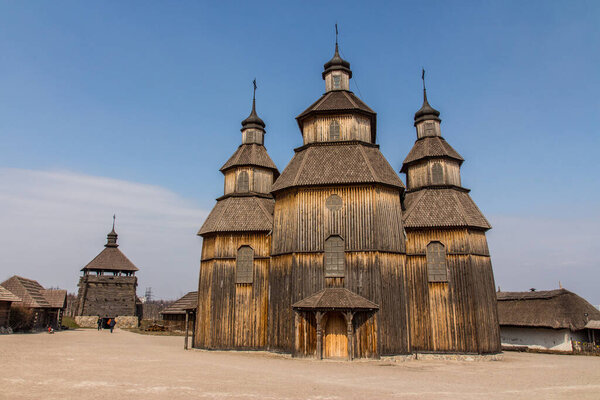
[152,93]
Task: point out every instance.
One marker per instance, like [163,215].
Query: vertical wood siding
[352,127]
[232,315]
[421,174]
[260,179]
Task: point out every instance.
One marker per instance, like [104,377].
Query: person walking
[112,324]
[99,323]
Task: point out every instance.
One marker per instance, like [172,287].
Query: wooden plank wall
[371,226]
[352,127]
[232,315]
[420,174]
[107,295]
[460,315]
[4,313]
[260,179]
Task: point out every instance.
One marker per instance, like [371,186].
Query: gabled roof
[30,291]
[556,309]
[339,101]
[240,214]
[111,259]
[57,298]
[335,298]
[442,208]
[331,163]
[187,302]
[430,146]
[7,295]
[250,154]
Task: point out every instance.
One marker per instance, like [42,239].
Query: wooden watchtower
[107,287]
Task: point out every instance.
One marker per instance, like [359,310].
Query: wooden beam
[319,317]
[187,325]
[349,315]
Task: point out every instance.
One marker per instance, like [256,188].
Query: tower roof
[333,163]
[253,120]
[240,214]
[337,63]
[428,147]
[251,154]
[426,112]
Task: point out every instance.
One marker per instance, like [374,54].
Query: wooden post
[349,315]
[185,346]
[193,328]
[319,316]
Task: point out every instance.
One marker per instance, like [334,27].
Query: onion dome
[253,120]
[337,63]
[426,112]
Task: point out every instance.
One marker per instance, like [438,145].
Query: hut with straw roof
[547,320]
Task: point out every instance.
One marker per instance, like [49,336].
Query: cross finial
[254,94]
[336,34]
[114,218]
[423,77]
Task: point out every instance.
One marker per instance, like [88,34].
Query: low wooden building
[107,288]
[553,320]
[47,306]
[7,298]
[174,316]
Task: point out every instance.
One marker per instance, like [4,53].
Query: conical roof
[337,63]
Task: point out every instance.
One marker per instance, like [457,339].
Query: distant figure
[99,323]
[50,329]
[112,324]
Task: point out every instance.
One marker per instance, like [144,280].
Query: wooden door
[336,339]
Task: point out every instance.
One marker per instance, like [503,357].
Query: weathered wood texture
[423,173]
[260,180]
[459,315]
[370,219]
[4,313]
[107,295]
[352,127]
[230,315]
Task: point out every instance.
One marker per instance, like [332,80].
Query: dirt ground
[87,364]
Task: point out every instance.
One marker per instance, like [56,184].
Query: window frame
[335,131]
[437,263]
[244,273]
[240,181]
[334,257]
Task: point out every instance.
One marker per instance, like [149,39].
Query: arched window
[244,265]
[334,131]
[334,257]
[243,184]
[250,137]
[437,174]
[429,129]
[436,262]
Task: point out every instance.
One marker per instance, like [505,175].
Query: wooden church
[335,257]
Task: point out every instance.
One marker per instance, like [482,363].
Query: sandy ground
[87,364]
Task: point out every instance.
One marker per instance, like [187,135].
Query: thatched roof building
[539,318]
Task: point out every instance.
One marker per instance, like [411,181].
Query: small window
[436,262]
[334,202]
[429,129]
[334,257]
[243,184]
[337,82]
[244,265]
[334,131]
[250,137]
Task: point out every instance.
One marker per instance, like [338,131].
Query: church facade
[336,257]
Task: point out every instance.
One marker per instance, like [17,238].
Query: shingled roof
[187,302]
[556,309]
[57,298]
[441,208]
[339,101]
[332,163]
[7,295]
[335,298]
[29,291]
[430,146]
[240,214]
[111,259]
[250,154]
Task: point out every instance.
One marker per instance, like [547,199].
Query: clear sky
[132,107]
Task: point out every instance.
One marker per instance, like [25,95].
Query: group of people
[111,324]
